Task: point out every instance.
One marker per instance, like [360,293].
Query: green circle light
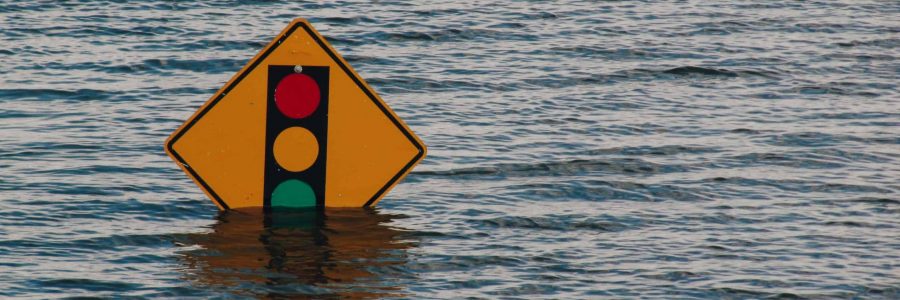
[293,193]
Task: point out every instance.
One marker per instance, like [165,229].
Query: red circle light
[297,96]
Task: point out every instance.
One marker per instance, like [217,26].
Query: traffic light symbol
[296,137]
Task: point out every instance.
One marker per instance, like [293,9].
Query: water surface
[620,149]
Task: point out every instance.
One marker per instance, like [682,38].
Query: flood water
[577,150]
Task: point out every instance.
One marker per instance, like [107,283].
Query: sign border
[295,24]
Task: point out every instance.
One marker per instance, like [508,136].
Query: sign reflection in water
[344,253]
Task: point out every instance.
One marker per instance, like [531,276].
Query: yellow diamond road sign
[296,127]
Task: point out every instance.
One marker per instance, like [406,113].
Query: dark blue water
[621,149]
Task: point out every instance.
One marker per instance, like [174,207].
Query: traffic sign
[296,127]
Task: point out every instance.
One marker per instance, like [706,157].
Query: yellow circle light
[296,149]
